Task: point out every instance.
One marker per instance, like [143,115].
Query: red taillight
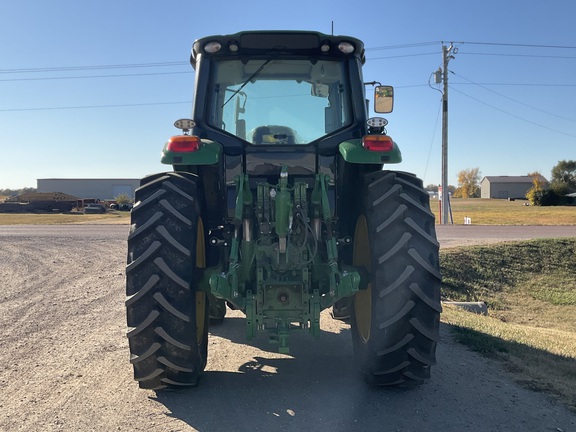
[377,142]
[183,143]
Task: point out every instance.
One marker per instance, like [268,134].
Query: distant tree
[563,179]
[434,188]
[468,183]
[122,199]
[541,194]
[15,192]
[535,194]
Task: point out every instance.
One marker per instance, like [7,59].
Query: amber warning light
[377,142]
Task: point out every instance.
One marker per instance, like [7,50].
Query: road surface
[64,360]
[466,235]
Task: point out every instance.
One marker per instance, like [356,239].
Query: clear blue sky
[79,97]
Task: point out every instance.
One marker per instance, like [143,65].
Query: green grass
[530,290]
[488,271]
[504,212]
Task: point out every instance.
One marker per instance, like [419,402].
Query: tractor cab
[306,84]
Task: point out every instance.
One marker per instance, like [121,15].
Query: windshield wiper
[254,75]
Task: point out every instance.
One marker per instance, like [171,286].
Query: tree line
[562,182]
[468,184]
[16,192]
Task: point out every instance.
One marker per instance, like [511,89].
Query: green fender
[353,152]
[209,153]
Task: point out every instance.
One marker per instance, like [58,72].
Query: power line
[95,106]
[97,67]
[94,76]
[513,115]
[516,84]
[518,45]
[514,100]
[412,45]
[401,56]
[181,63]
[401,46]
[410,86]
[518,55]
[432,139]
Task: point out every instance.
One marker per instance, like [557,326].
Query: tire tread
[160,284]
[405,306]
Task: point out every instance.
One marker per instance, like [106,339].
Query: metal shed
[504,187]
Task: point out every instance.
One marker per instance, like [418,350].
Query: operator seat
[273,135]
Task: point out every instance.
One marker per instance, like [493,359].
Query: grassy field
[67,218]
[530,290]
[504,212]
[481,211]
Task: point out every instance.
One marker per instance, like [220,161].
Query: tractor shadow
[250,387]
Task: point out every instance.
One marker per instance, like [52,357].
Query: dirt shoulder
[65,363]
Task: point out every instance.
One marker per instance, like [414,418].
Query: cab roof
[278,43]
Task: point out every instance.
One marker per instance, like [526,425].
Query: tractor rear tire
[167,316]
[395,321]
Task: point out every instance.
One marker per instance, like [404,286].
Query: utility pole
[446,56]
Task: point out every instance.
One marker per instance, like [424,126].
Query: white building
[102,189]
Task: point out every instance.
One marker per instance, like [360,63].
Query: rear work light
[346,47]
[183,143]
[377,142]
[212,47]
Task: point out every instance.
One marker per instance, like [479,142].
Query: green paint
[276,274]
[209,153]
[353,152]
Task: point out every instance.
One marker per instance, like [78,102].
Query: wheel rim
[200,295]
[363,298]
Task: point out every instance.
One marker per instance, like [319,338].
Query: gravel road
[64,359]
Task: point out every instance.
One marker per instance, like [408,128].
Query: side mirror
[383,99]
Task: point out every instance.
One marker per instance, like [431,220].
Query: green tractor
[278,206]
